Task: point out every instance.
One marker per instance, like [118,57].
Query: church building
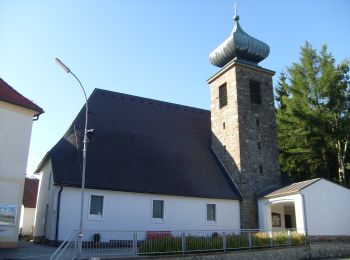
[158,166]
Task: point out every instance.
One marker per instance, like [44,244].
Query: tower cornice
[233,63]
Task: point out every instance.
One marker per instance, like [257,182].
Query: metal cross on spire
[235,7]
[235,17]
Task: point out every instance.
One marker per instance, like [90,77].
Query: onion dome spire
[239,46]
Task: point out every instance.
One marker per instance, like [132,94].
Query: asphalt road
[27,250]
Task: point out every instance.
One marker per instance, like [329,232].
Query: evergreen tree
[313,117]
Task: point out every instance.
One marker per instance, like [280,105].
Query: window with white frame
[158,209]
[96,206]
[211,212]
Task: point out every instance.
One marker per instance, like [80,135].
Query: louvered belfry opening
[223,95]
[255,92]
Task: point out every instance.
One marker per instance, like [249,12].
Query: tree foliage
[313,117]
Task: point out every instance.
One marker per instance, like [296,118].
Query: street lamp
[80,236]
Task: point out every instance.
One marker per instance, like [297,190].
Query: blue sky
[152,48]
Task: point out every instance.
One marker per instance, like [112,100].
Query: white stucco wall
[45,223]
[264,208]
[27,221]
[126,211]
[276,208]
[15,131]
[327,208]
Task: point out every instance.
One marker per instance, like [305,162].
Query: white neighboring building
[16,118]
[317,206]
[29,206]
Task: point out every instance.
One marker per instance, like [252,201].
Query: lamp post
[80,236]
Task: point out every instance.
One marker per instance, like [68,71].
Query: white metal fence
[130,243]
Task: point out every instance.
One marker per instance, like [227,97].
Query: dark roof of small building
[145,146]
[10,95]
[30,192]
[290,189]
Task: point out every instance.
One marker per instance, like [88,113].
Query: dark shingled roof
[10,95]
[30,192]
[143,145]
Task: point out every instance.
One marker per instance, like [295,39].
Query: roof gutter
[42,163]
[58,214]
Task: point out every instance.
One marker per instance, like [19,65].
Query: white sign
[8,214]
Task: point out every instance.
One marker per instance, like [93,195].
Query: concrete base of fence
[314,250]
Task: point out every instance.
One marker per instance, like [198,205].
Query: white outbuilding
[318,206]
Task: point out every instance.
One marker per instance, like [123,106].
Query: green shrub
[237,241]
[297,238]
[280,238]
[96,237]
[261,239]
[213,242]
[160,245]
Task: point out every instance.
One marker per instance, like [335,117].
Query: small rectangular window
[255,95]
[158,209]
[211,212]
[261,169]
[222,95]
[96,205]
[259,145]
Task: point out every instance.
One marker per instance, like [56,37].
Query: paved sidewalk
[31,251]
[27,250]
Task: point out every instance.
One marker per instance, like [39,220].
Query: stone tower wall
[237,129]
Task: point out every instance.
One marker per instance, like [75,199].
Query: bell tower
[243,118]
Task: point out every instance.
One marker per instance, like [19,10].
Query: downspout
[58,214]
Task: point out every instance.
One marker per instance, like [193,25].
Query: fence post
[134,243]
[183,242]
[224,241]
[250,239]
[75,248]
[306,237]
[271,240]
[289,242]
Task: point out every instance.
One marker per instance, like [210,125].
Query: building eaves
[10,95]
[292,189]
